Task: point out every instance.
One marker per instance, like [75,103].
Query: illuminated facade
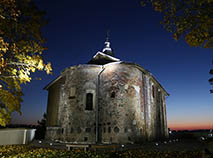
[106,101]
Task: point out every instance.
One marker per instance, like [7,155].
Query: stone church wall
[122,107]
[128,112]
[78,124]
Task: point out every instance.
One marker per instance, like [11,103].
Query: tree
[21,48]
[41,128]
[190,19]
[43,121]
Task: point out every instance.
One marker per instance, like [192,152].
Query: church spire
[107,49]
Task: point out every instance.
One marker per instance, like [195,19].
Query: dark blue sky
[77,30]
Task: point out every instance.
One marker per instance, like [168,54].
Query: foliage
[191,19]
[21,48]
[23,151]
[41,128]
[43,120]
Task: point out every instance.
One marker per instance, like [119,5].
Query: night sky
[77,30]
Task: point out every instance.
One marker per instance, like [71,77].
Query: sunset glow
[192,126]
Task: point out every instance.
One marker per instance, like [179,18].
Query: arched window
[113,95]
[153,91]
[89,101]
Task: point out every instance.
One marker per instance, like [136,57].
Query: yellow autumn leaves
[26,64]
[21,48]
[25,151]
[187,18]
[3,46]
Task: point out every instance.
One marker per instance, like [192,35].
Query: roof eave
[51,83]
[105,55]
[147,72]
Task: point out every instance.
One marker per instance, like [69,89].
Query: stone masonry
[131,105]
[106,101]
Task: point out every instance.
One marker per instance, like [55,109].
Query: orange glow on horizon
[190,126]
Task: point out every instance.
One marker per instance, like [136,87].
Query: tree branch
[9,76]
[19,64]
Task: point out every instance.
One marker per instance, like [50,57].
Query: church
[106,101]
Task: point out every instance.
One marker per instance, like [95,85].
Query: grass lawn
[26,151]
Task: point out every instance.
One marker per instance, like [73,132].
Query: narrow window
[79,130]
[89,101]
[125,130]
[109,129]
[85,139]
[113,95]
[71,130]
[116,129]
[153,91]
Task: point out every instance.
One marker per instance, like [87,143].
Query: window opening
[71,130]
[153,91]
[125,130]
[116,129]
[109,129]
[85,139]
[89,101]
[79,130]
[113,95]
